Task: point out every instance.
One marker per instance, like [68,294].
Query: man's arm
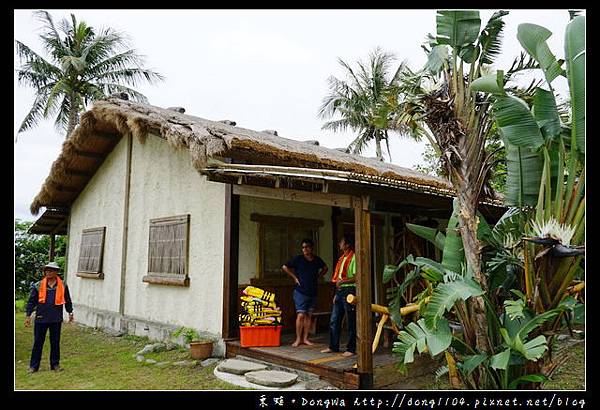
[68,303]
[324,269]
[31,305]
[291,273]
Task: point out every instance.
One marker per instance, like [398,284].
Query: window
[279,241]
[168,251]
[91,252]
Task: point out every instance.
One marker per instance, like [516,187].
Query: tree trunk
[387,143]
[378,146]
[73,116]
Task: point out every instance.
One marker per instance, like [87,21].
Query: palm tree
[83,66]
[367,103]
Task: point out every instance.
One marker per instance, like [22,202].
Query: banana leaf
[457,28]
[445,295]
[516,123]
[454,254]
[490,83]
[546,113]
[421,337]
[431,234]
[524,173]
[575,63]
[533,39]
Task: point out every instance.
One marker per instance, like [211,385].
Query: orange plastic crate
[260,336]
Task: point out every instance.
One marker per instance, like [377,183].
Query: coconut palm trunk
[73,117]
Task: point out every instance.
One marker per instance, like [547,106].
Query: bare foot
[308,342]
[296,343]
[328,350]
[347,354]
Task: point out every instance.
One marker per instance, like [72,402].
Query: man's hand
[70,318]
[28,321]
[296,281]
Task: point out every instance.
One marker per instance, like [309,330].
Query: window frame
[99,274]
[172,279]
[264,220]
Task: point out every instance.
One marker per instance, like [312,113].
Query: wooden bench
[313,322]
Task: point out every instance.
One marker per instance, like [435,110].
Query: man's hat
[52,265]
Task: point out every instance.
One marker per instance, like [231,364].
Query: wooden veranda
[333,367]
[363,200]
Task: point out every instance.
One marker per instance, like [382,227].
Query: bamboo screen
[167,248]
[91,250]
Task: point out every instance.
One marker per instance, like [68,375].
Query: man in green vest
[344,278]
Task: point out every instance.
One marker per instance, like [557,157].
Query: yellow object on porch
[259,293]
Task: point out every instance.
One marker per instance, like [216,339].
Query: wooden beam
[64,188]
[320,198]
[362,230]
[106,135]
[88,154]
[78,173]
[230,266]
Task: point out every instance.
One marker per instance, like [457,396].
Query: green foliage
[189,334]
[367,103]
[84,65]
[421,337]
[445,295]
[31,254]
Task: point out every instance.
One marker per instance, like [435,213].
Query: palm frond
[36,113]
[111,88]
[491,37]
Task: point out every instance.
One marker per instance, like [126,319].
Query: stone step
[240,367]
[272,378]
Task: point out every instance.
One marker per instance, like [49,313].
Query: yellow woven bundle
[249,300]
[259,308]
[259,293]
[264,313]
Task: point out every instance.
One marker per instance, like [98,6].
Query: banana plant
[546,169]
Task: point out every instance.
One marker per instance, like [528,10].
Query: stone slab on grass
[236,366]
[272,378]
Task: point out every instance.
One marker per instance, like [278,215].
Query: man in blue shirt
[47,298]
[305,270]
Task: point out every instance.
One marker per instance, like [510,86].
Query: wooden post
[362,233]
[230,327]
[52,246]
[125,235]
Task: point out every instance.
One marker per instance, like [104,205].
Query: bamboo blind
[167,248]
[91,250]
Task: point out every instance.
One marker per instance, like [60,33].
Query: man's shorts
[304,304]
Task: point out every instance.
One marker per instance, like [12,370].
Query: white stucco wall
[100,204]
[164,183]
[248,249]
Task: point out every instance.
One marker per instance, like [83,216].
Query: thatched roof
[101,128]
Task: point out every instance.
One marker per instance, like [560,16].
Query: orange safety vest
[59,298]
[341,268]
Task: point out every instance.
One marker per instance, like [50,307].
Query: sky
[264,69]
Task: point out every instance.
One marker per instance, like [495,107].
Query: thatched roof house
[171,216]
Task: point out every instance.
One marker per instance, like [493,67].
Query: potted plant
[199,349]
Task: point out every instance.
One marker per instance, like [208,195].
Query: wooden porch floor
[331,367]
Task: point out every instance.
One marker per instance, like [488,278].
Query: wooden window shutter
[91,251]
[168,251]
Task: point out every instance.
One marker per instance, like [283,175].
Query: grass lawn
[93,360]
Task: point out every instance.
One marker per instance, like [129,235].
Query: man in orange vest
[344,279]
[47,298]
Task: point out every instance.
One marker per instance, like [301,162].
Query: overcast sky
[264,69]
